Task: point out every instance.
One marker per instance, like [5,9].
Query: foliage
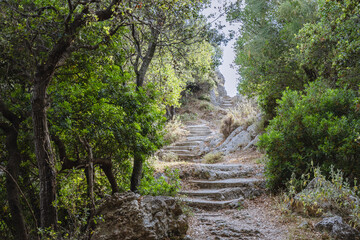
[331,46]
[334,191]
[213,158]
[265,45]
[206,106]
[166,184]
[319,125]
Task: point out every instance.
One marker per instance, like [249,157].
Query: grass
[213,158]
[174,131]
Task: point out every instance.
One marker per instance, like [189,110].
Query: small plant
[169,157]
[213,158]
[228,125]
[321,195]
[187,117]
[168,184]
[206,106]
[174,131]
[204,97]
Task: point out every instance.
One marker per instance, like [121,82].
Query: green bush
[319,125]
[168,184]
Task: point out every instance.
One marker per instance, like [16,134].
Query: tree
[264,50]
[52,31]
[330,47]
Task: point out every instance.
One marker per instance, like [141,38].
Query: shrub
[206,106]
[174,131]
[213,158]
[320,125]
[228,125]
[167,184]
[335,195]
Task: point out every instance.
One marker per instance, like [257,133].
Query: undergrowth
[320,195]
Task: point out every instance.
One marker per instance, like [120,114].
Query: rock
[213,98]
[253,142]
[240,140]
[252,129]
[129,216]
[215,141]
[229,139]
[337,228]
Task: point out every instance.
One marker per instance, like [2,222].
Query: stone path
[221,186]
[226,102]
[222,196]
[193,147]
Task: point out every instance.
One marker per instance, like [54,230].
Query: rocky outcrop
[337,228]
[129,216]
[238,139]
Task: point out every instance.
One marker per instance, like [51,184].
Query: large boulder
[237,140]
[129,216]
[337,228]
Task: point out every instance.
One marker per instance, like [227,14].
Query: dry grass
[245,111]
[213,158]
[174,131]
[243,114]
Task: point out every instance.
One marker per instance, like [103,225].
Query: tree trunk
[136,174]
[140,77]
[110,176]
[18,222]
[44,153]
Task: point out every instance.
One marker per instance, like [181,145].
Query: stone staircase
[226,102]
[221,186]
[193,146]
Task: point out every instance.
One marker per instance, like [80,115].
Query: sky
[230,74]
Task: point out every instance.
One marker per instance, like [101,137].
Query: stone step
[179,152]
[198,126]
[189,148]
[197,138]
[215,194]
[201,131]
[223,194]
[212,175]
[211,205]
[187,143]
[221,167]
[229,183]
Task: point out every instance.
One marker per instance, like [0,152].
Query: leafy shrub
[213,157]
[336,195]
[320,125]
[167,184]
[204,97]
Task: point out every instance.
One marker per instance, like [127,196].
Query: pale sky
[230,74]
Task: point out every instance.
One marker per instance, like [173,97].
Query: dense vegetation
[301,59]
[84,91]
